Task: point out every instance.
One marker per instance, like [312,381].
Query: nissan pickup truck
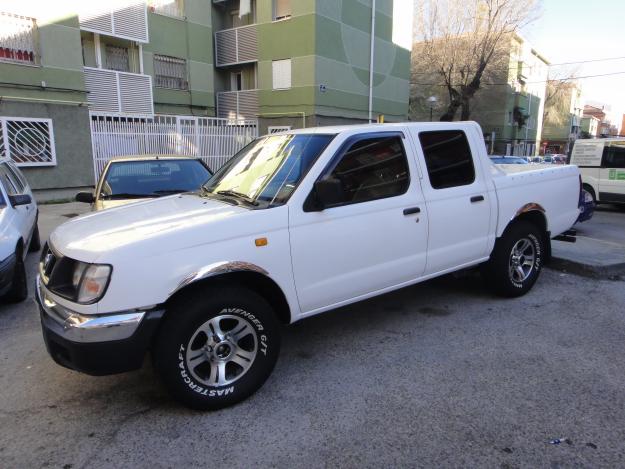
[295,224]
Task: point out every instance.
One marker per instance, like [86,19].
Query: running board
[569,236]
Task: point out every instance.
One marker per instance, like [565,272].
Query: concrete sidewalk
[600,248]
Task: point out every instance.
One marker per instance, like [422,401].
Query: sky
[575,30]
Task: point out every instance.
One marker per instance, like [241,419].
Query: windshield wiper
[124,195]
[170,191]
[238,195]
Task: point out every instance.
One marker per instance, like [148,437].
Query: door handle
[411,211]
[477,198]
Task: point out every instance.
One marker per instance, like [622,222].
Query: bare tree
[555,94]
[457,41]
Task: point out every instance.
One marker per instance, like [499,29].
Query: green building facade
[285,63]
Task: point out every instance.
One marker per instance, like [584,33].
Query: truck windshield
[268,170]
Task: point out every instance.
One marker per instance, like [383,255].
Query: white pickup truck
[295,224]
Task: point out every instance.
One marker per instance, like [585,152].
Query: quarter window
[373,168]
[614,157]
[448,158]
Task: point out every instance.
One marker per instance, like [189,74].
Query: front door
[375,238]
[459,203]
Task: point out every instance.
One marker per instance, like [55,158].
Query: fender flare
[218,268]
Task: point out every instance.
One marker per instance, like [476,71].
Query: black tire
[501,271]
[19,285]
[35,240]
[192,385]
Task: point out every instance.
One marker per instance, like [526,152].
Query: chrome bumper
[83,328]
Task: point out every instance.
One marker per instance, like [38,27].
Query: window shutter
[281,74]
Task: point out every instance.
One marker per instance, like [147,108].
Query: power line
[528,82]
[516,66]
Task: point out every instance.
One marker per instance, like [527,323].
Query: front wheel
[19,284]
[217,347]
[516,260]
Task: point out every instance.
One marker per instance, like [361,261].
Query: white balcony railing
[236,45]
[126,19]
[119,92]
[18,39]
[237,104]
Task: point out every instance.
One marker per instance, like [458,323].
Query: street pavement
[441,374]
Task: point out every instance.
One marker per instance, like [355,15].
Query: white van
[602,165]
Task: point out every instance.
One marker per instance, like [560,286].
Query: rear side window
[18,177]
[373,168]
[613,157]
[448,158]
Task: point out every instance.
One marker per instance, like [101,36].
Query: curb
[600,272]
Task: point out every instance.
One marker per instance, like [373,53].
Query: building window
[510,118]
[18,39]
[170,72]
[167,7]
[30,141]
[117,58]
[281,71]
[281,9]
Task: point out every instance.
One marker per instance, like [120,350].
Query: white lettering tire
[216,346]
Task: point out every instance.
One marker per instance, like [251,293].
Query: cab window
[448,158]
[371,169]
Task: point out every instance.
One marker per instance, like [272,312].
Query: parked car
[547,159]
[508,159]
[558,159]
[293,225]
[536,159]
[133,178]
[602,165]
[19,233]
[587,207]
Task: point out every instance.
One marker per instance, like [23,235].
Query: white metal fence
[28,141]
[212,139]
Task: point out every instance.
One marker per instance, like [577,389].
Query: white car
[295,224]
[601,162]
[18,230]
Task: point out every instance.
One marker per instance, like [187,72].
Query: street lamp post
[432,100]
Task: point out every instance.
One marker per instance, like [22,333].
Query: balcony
[237,104]
[126,20]
[18,39]
[119,92]
[236,46]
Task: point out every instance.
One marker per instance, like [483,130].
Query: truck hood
[144,228]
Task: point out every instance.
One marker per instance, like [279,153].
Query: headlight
[90,281]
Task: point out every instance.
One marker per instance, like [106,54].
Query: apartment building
[262,64]
[563,118]
[509,106]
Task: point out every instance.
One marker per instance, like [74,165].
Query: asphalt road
[436,375]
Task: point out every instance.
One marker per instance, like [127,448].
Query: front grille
[47,263]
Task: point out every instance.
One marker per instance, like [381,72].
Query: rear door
[612,176]
[457,197]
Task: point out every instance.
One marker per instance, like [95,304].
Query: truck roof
[336,129]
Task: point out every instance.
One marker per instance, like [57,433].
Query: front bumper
[100,344]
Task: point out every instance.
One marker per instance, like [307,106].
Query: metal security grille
[28,141]
[117,59]
[170,72]
[18,39]
[212,139]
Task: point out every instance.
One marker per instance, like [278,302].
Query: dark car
[587,206]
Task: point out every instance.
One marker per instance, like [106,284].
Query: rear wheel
[217,347]
[516,260]
[19,284]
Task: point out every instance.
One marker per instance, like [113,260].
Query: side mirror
[22,199]
[86,197]
[328,192]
